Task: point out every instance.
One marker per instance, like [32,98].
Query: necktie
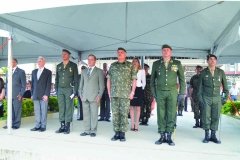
[12,71]
[89,72]
[212,71]
[166,63]
[105,74]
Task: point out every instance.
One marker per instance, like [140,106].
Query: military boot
[169,139]
[61,129]
[146,122]
[116,136]
[206,138]
[67,128]
[162,138]
[197,124]
[142,122]
[200,123]
[122,137]
[213,137]
[180,113]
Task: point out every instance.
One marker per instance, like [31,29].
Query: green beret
[166,46]
[64,50]
[211,55]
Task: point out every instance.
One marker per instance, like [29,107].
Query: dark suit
[80,109]
[41,87]
[105,102]
[18,88]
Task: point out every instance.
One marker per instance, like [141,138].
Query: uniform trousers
[166,109]
[65,104]
[211,112]
[120,110]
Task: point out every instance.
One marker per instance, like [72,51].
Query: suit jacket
[93,87]
[41,86]
[18,83]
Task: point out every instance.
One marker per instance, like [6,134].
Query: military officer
[66,77]
[209,82]
[164,88]
[121,75]
[194,98]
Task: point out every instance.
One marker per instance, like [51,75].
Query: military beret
[166,46]
[120,48]
[234,83]
[211,55]
[198,66]
[145,65]
[64,50]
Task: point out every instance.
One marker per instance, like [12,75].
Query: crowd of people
[128,88]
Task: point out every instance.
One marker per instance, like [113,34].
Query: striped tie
[89,72]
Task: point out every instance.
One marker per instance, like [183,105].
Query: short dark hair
[198,67]
[93,56]
[64,50]
[15,59]
[120,48]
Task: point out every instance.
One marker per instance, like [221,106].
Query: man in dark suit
[18,89]
[105,102]
[40,91]
[80,109]
[91,90]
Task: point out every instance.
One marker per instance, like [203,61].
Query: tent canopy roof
[193,29]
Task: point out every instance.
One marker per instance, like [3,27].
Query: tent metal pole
[9,87]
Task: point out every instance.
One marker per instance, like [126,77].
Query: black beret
[211,55]
[198,66]
[166,46]
[120,48]
[64,50]
[145,65]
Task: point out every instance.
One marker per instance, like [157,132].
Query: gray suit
[89,89]
[39,88]
[18,88]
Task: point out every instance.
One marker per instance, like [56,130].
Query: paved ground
[24,144]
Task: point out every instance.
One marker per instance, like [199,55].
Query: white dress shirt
[234,91]
[141,79]
[92,69]
[40,70]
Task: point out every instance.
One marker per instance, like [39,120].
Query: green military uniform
[65,76]
[147,101]
[209,94]
[164,86]
[196,107]
[121,76]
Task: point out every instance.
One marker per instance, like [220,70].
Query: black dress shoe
[108,120]
[93,134]
[101,119]
[84,134]
[80,119]
[15,127]
[42,130]
[35,129]
[5,127]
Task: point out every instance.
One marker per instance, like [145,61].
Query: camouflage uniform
[196,107]
[121,76]
[147,100]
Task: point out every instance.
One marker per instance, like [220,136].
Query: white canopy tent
[193,29]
